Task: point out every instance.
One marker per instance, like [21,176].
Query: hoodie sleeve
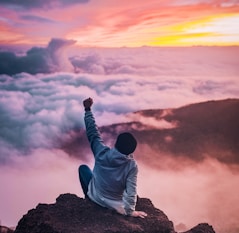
[130,194]
[93,134]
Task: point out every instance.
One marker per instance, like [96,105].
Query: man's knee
[81,169]
[84,169]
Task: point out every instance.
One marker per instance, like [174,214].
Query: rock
[4,229]
[71,214]
[201,228]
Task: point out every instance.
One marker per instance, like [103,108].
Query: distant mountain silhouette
[196,131]
[207,129]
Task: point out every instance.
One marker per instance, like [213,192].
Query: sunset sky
[128,55]
[133,23]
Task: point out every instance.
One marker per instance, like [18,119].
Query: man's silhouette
[112,184]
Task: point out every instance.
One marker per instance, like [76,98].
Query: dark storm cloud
[36,60]
[28,4]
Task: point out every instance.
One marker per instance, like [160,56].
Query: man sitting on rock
[112,184]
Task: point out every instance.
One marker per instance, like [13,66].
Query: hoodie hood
[115,158]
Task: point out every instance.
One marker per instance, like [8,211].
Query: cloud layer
[41,113]
[42,110]
[26,4]
[36,60]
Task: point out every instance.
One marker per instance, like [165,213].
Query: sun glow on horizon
[171,23]
[219,30]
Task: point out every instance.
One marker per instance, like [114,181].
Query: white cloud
[152,122]
[40,112]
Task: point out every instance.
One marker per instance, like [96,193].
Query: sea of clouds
[41,106]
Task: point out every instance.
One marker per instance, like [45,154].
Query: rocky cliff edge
[71,214]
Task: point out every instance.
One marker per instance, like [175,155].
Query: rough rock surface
[71,214]
[4,229]
[201,228]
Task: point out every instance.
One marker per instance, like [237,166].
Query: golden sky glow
[107,23]
[212,30]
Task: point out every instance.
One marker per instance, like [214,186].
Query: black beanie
[126,143]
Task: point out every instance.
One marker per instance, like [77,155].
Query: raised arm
[92,131]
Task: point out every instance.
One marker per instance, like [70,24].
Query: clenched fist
[88,103]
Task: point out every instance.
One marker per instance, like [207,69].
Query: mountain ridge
[204,129]
[192,132]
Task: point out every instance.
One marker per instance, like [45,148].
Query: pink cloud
[195,193]
[152,122]
[39,113]
[38,178]
[105,23]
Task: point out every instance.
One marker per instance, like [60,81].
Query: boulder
[72,214]
[4,229]
[201,228]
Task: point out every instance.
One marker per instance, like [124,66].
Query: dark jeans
[85,175]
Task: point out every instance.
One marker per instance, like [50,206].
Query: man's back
[114,175]
[111,172]
[113,181]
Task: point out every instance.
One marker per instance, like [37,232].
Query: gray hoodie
[114,180]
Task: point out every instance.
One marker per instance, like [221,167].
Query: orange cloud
[219,29]
[115,24]
[152,25]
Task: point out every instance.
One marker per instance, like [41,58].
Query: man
[114,179]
